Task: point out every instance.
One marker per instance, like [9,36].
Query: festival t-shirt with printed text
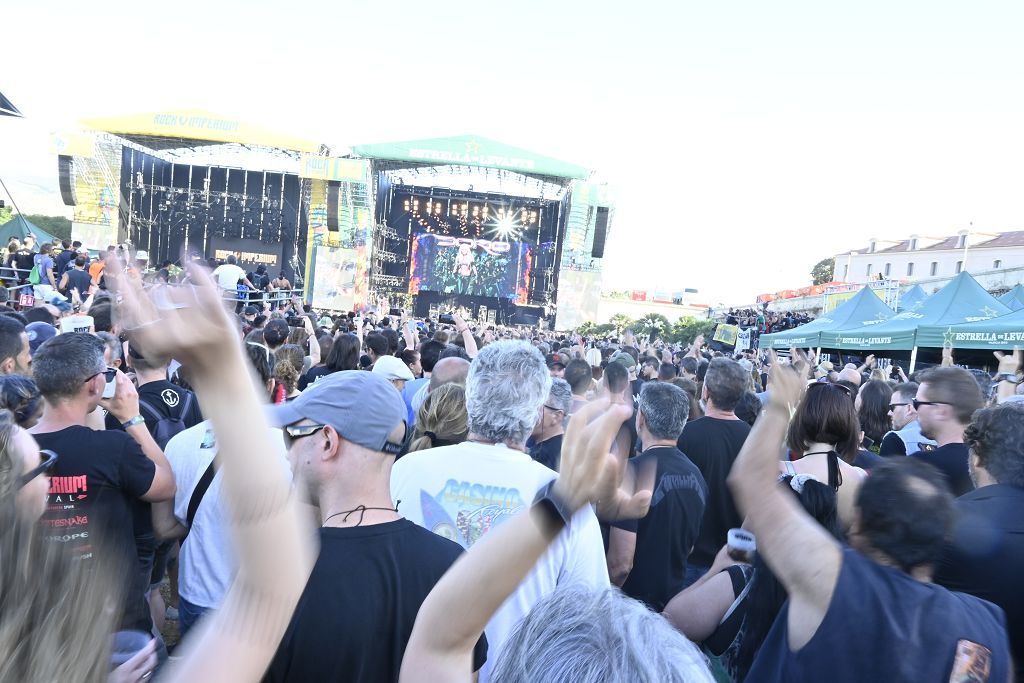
[98,478]
[462,492]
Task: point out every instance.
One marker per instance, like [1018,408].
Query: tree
[622,322]
[822,271]
[652,322]
[686,329]
[5,214]
[58,226]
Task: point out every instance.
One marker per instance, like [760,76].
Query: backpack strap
[148,407]
[197,498]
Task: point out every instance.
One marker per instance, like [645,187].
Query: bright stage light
[506,228]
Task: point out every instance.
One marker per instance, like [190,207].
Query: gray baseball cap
[361,406]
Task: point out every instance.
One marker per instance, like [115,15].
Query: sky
[744,141]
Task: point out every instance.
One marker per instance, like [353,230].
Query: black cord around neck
[361,509]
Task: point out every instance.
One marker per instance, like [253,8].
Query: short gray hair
[579,634]
[63,364]
[665,408]
[507,385]
[726,382]
[560,396]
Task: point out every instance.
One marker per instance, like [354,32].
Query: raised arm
[314,343]
[274,546]
[455,613]
[467,335]
[804,557]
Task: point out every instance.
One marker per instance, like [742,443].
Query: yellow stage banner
[333,168]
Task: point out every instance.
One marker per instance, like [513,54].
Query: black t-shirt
[79,280]
[97,482]
[312,375]
[986,556]
[356,614]
[712,445]
[951,460]
[549,452]
[918,632]
[665,536]
[23,261]
[165,400]
[62,260]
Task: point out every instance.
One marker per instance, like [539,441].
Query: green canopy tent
[18,227]
[962,300]
[1003,332]
[1014,298]
[471,150]
[912,300]
[863,308]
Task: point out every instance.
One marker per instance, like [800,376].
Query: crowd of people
[370,497]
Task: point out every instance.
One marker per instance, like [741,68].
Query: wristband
[137,420]
[1007,377]
[555,507]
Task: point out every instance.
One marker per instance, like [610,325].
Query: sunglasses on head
[49,459]
[843,388]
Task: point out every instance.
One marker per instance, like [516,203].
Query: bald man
[451,370]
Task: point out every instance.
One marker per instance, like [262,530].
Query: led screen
[474,267]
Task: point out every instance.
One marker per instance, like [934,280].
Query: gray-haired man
[462,492]
[547,434]
[647,557]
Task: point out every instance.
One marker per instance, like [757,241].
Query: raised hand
[786,386]
[590,472]
[188,323]
[1009,362]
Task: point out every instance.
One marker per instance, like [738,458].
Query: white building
[926,258]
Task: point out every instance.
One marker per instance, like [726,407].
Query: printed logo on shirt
[463,511]
[170,397]
[76,488]
[972,663]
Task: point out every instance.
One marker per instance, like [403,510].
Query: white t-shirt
[461,492]
[228,276]
[207,563]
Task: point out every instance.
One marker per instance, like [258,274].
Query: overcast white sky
[746,140]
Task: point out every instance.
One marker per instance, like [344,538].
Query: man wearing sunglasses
[905,437]
[103,482]
[375,568]
[945,401]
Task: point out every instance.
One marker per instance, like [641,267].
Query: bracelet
[137,420]
[464,329]
[1007,377]
[555,507]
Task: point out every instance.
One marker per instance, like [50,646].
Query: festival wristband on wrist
[556,508]
[137,420]
[1007,377]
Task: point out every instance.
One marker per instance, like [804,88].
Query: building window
[913,244]
[997,264]
[869,269]
[961,241]
[846,271]
[888,267]
[935,267]
[959,266]
[910,269]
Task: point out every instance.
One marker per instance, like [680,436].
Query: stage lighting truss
[387,281]
[387,256]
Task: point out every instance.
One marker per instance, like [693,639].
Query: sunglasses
[46,466]
[109,375]
[894,406]
[844,389]
[293,433]
[918,404]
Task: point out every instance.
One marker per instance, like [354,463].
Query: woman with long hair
[872,404]
[823,440]
[289,366]
[442,419]
[730,609]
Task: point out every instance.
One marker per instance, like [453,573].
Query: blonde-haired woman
[442,419]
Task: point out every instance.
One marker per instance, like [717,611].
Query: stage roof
[471,150]
[6,108]
[193,128]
